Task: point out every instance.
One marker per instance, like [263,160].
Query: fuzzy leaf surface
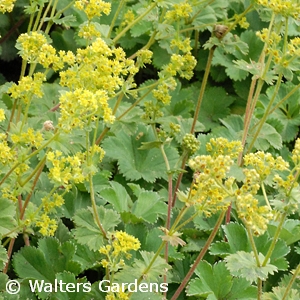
[243,264]
[87,231]
[216,282]
[134,163]
[7,222]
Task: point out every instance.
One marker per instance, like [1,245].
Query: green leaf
[243,264]
[30,262]
[217,283]
[205,16]
[288,113]
[87,231]
[214,280]
[278,257]
[215,106]
[77,290]
[117,196]
[3,280]
[7,221]
[149,206]
[136,164]
[59,256]
[290,231]
[131,273]
[74,201]
[3,257]
[237,240]
[140,28]
[279,292]
[86,257]
[268,137]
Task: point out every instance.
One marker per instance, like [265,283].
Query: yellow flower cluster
[182,45]
[294,46]
[93,8]
[30,137]
[66,169]
[7,154]
[98,67]
[88,31]
[34,48]
[296,154]
[47,226]
[271,39]
[27,88]
[182,64]
[144,57]
[256,217]
[2,115]
[30,44]
[287,185]
[49,203]
[128,18]
[287,8]
[11,194]
[117,296]
[162,92]
[120,245]
[180,11]
[264,163]
[260,166]
[81,104]
[251,183]
[221,146]
[6,6]
[208,193]
[153,111]
[190,143]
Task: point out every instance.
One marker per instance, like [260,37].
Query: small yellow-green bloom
[2,115]
[6,5]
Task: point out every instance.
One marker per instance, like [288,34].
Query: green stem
[266,114]
[274,240]
[265,195]
[190,219]
[290,284]
[259,288]
[150,264]
[36,169]
[39,169]
[38,17]
[133,23]
[251,239]
[200,256]
[203,86]
[94,206]
[44,15]
[113,21]
[247,119]
[50,22]
[286,97]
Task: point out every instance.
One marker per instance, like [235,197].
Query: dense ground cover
[149,149]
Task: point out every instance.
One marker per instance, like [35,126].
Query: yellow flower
[7,5]
[93,8]
[123,242]
[2,115]
[256,217]
[47,226]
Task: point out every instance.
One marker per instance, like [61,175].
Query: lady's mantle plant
[150,142]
